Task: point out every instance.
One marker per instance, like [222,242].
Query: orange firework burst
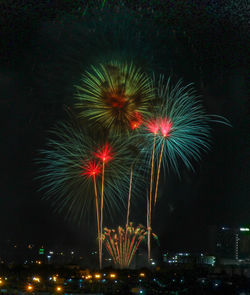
[123,243]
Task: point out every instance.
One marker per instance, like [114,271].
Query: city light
[112,275]
[29,288]
[97,276]
[244,229]
[54,278]
[88,277]
[36,279]
[142,275]
[1,282]
[58,289]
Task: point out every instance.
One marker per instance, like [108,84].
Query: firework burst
[115,94]
[69,165]
[122,244]
[183,126]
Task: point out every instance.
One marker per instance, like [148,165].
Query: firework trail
[152,127]
[129,195]
[105,155]
[92,169]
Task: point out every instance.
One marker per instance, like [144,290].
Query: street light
[58,289]
[112,275]
[29,288]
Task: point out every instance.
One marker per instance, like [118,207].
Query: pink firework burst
[153,126]
[165,126]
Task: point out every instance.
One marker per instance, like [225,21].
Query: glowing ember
[115,100]
[104,153]
[166,126]
[136,121]
[91,169]
[153,126]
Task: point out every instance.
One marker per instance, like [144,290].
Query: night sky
[43,51]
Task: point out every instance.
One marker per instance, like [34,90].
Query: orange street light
[29,288]
[58,289]
[112,275]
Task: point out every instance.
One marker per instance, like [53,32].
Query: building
[231,244]
[188,258]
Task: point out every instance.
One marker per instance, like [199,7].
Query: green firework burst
[113,94]
[65,160]
[183,127]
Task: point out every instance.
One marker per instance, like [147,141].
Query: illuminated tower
[232,243]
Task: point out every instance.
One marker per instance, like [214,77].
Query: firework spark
[91,168]
[104,153]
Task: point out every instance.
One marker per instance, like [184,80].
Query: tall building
[231,243]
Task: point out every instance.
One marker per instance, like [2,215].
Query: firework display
[127,128]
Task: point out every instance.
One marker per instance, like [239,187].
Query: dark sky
[39,63]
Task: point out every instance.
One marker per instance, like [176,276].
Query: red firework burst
[104,153]
[136,121]
[91,168]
